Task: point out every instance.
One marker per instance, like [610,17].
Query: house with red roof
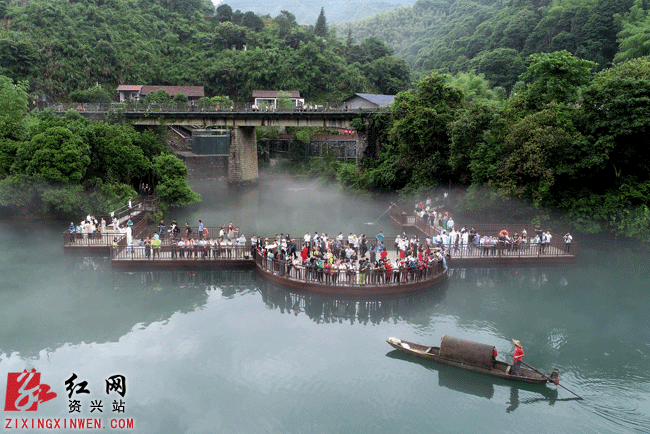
[135,92]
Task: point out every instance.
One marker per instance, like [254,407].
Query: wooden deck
[139,210]
[465,255]
[169,256]
[531,255]
[375,283]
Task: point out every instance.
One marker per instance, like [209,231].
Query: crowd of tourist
[472,243]
[190,243]
[351,260]
[91,229]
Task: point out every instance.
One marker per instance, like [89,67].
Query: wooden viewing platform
[140,211]
[375,282]
[499,253]
[301,278]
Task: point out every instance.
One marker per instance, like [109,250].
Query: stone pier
[242,164]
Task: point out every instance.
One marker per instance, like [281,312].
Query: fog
[281,204]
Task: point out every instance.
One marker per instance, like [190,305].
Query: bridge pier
[242,164]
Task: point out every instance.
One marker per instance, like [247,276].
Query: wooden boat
[472,356]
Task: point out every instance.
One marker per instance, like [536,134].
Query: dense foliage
[64,49]
[61,166]
[495,37]
[569,143]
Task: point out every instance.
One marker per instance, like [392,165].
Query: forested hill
[494,37]
[306,12]
[61,46]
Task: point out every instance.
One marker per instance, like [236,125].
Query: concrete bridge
[242,158]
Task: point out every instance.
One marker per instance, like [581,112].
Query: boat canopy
[468,352]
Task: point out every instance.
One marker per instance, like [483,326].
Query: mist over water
[225,351]
[280,204]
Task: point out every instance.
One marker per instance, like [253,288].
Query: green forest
[495,37]
[63,46]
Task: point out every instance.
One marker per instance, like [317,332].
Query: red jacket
[519,353]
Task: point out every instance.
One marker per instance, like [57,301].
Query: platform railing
[557,246]
[348,277]
[104,238]
[507,250]
[92,239]
[174,252]
[212,233]
[233,107]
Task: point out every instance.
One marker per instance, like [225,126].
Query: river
[227,352]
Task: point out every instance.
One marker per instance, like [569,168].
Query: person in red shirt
[516,358]
[304,252]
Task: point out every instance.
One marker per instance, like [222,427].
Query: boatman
[516,358]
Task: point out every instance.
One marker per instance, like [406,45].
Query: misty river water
[226,352]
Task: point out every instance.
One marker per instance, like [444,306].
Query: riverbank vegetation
[568,143]
[68,166]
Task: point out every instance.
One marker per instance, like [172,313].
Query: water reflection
[320,309]
[519,276]
[324,310]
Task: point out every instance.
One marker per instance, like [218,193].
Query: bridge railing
[139,204]
[237,107]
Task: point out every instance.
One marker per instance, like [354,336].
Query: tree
[224,13]
[285,21]
[373,48]
[536,150]
[56,155]
[420,130]
[389,75]
[160,96]
[320,29]
[252,21]
[171,182]
[474,87]
[285,103]
[13,106]
[19,58]
[555,77]
[93,95]
[617,118]
[115,156]
[501,66]
[477,143]
[634,39]
[180,99]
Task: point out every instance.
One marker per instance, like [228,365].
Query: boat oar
[546,376]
